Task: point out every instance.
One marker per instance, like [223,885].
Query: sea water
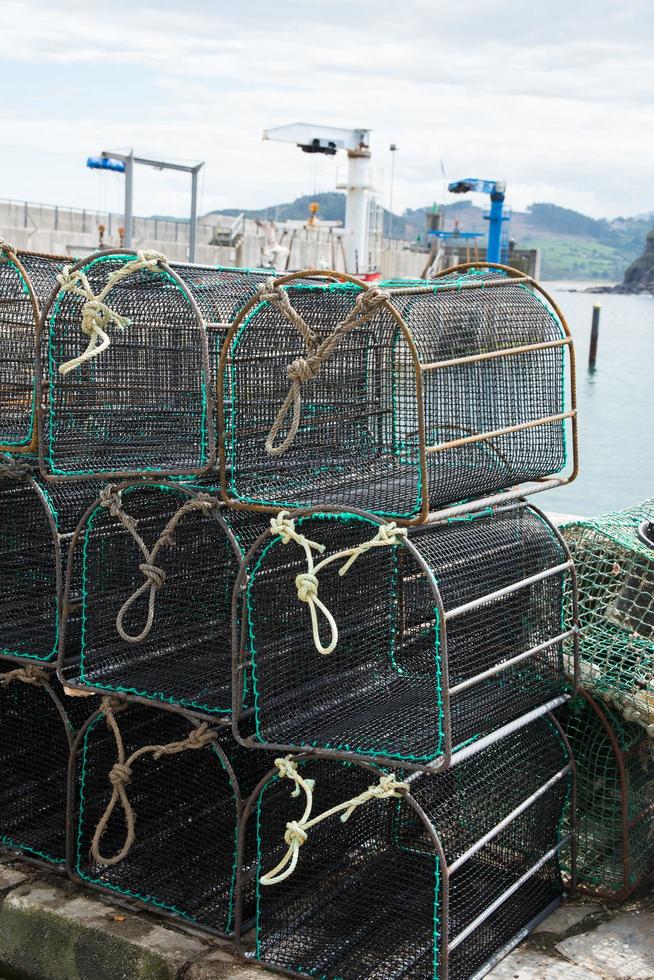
[615,402]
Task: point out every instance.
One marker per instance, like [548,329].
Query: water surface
[615,403]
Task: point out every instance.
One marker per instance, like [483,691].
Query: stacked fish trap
[612,728]
[396,633]
[615,560]
[615,798]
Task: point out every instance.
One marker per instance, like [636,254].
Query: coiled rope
[14,469]
[297,830]
[307,582]
[31,674]
[96,314]
[121,774]
[154,575]
[306,368]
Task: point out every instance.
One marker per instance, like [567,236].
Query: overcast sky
[554,96]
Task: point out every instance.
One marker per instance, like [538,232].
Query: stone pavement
[50,929]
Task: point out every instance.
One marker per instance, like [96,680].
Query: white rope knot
[387,535]
[7,247]
[307,587]
[97,316]
[283,526]
[295,834]
[387,786]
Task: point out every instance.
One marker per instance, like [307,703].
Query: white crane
[356,142]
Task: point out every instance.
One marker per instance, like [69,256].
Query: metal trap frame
[155,800]
[615,798]
[26,281]
[437,634]
[404,401]
[614,556]
[137,401]
[157,563]
[36,735]
[37,521]
[425,875]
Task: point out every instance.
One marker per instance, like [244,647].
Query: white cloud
[556,97]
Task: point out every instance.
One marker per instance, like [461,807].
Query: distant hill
[573,245]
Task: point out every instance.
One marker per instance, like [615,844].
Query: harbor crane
[356,143]
[124,163]
[496,217]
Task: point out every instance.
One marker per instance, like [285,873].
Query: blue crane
[496,218]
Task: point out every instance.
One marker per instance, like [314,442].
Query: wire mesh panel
[158,565]
[34,520]
[615,798]
[26,281]
[220,292]
[125,359]
[394,399]
[35,737]
[614,555]
[403,644]
[426,876]
[181,787]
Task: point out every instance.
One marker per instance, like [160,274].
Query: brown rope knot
[31,674]
[303,368]
[14,469]
[154,575]
[112,703]
[120,775]
[306,368]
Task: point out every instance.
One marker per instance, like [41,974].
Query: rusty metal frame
[62,662]
[42,386]
[72,816]
[12,256]
[446,944]
[60,867]
[508,276]
[240,653]
[626,824]
[57,538]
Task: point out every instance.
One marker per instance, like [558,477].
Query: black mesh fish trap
[615,798]
[36,731]
[35,523]
[614,555]
[398,400]
[26,281]
[181,784]
[220,292]
[126,387]
[403,644]
[370,875]
[158,563]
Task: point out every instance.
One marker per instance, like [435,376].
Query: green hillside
[577,258]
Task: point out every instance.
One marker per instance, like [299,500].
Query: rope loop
[154,576]
[31,674]
[306,368]
[296,833]
[121,773]
[306,583]
[97,316]
[7,248]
